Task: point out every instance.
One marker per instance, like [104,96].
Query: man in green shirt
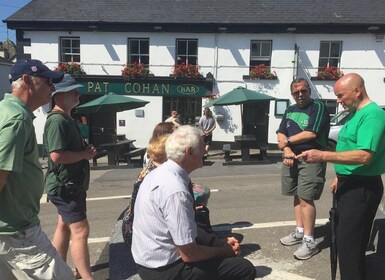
[359,161]
[68,164]
[21,178]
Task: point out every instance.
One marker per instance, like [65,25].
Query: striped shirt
[164,216]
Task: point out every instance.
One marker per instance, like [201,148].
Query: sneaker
[306,250]
[293,238]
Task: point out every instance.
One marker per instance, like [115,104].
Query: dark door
[189,108]
[102,126]
[255,120]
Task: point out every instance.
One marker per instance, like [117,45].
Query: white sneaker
[306,250]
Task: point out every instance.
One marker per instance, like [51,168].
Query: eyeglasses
[302,91]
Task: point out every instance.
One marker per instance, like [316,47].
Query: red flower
[70,68]
[184,70]
[262,71]
[135,70]
[330,73]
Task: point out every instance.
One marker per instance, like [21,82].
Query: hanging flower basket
[262,71]
[329,73]
[184,70]
[135,70]
[72,68]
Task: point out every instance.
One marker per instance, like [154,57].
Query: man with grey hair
[25,250]
[164,240]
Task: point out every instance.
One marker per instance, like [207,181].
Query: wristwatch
[288,141]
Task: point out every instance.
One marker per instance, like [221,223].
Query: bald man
[359,161]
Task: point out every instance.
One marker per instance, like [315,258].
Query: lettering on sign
[100,87]
[187,89]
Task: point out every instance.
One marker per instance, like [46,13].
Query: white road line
[263,225]
[44,197]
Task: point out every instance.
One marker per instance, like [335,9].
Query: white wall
[226,56]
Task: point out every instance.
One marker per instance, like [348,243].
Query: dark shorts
[207,139]
[71,210]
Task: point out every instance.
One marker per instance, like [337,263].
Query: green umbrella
[239,95]
[111,102]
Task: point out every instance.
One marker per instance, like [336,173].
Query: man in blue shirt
[305,125]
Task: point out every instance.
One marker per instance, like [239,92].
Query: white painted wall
[226,56]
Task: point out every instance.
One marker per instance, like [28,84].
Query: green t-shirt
[20,197]
[61,133]
[364,130]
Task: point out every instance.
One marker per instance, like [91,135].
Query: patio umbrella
[239,95]
[333,243]
[111,102]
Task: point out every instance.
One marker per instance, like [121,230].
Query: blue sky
[7,8]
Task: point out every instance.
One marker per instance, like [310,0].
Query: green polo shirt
[20,197]
[365,130]
[61,133]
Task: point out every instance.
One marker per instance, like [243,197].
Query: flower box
[262,71]
[184,70]
[72,68]
[331,73]
[135,70]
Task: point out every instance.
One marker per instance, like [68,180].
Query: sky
[7,8]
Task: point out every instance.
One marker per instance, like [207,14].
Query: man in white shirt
[165,230]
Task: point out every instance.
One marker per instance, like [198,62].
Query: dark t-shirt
[314,118]
[61,133]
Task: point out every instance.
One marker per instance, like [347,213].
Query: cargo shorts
[303,179]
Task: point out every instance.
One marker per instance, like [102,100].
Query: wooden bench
[99,153]
[134,153]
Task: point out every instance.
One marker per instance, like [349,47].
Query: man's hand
[234,243]
[333,186]
[311,156]
[91,151]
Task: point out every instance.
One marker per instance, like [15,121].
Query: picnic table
[116,149]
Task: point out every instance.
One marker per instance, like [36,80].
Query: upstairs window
[187,51]
[70,49]
[330,54]
[139,51]
[260,53]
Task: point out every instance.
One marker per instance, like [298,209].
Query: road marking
[43,199]
[245,226]
[99,240]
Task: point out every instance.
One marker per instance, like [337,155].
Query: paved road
[245,202]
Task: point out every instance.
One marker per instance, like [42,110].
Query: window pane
[333,62]
[145,60]
[76,43]
[134,58]
[134,48]
[65,43]
[335,49]
[266,48]
[324,49]
[193,48]
[76,58]
[255,49]
[181,47]
[323,62]
[181,59]
[192,60]
[144,48]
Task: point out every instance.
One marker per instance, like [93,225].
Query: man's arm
[68,157]
[348,157]
[3,179]
[195,253]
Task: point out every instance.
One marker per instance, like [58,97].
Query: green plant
[184,70]
[262,71]
[329,73]
[135,69]
[70,68]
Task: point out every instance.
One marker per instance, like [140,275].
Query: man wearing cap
[68,175]
[25,251]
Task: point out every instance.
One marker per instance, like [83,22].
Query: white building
[225,38]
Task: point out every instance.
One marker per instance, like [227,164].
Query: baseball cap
[33,67]
[68,83]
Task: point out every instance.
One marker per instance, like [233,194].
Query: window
[330,54]
[139,51]
[260,53]
[70,49]
[187,51]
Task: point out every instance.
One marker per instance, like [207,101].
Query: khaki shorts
[30,255]
[304,180]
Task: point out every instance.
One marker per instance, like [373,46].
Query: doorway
[255,119]
[189,109]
